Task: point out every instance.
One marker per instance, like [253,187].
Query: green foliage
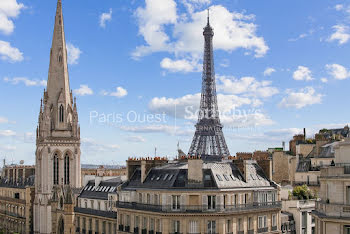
[324,130]
[303,192]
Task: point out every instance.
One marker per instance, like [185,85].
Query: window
[193,227]
[127,223]
[219,177]
[90,224]
[148,199]
[99,205]
[228,226]
[245,198]
[85,202]
[55,169]
[274,221]
[84,224]
[156,199]
[137,221]
[250,223]
[144,223]
[226,177]
[97,227]
[104,227]
[151,224]
[176,202]
[273,196]
[304,222]
[92,204]
[262,221]
[140,197]
[211,202]
[66,169]
[239,224]
[61,114]
[211,227]
[176,226]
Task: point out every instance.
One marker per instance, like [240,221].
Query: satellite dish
[21,162]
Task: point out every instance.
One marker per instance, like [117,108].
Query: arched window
[55,169]
[61,114]
[66,169]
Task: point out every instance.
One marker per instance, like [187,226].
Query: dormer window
[61,114]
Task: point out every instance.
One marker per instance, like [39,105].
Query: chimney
[304,134]
[143,171]
[245,169]
[195,171]
[266,166]
[284,145]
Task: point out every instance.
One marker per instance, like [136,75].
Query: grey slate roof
[101,190]
[216,175]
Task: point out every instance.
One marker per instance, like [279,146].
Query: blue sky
[280,66]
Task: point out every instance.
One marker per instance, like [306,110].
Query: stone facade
[58,136]
[332,212]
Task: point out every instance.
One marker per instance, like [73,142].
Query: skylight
[219,177]
[226,178]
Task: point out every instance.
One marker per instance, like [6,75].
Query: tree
[302,192]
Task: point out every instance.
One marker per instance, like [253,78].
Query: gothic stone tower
[208,140]
[57,135]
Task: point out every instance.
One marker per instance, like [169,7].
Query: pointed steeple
[58,79]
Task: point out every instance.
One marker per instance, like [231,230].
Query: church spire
[58,79]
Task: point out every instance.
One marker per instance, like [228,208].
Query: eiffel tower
[208,140]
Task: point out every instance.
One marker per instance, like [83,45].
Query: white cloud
[299,99]
[268,71]
[232,30]
[191,5]
[338,71]
[187,107]
[7,133]
[91,145]
[83,90]
[135,139]
[339,7]
[324,80]
[25,81]
[73,54]
[9,9]
[161,128]
[119,92]
[8,147]
[302,73]
[105,17]
[4,120]
[341,34]
[181,65]
[9,53]
[248,86]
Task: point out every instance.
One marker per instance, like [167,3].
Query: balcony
[308,183]
[274,228]
[262,230]
[102,213]
[200,208]
[333,210]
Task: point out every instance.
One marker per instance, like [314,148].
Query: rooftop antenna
[155,151]
[178,145]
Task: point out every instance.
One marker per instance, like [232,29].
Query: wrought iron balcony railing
[199,208]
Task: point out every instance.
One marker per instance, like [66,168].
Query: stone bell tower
[58,133]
